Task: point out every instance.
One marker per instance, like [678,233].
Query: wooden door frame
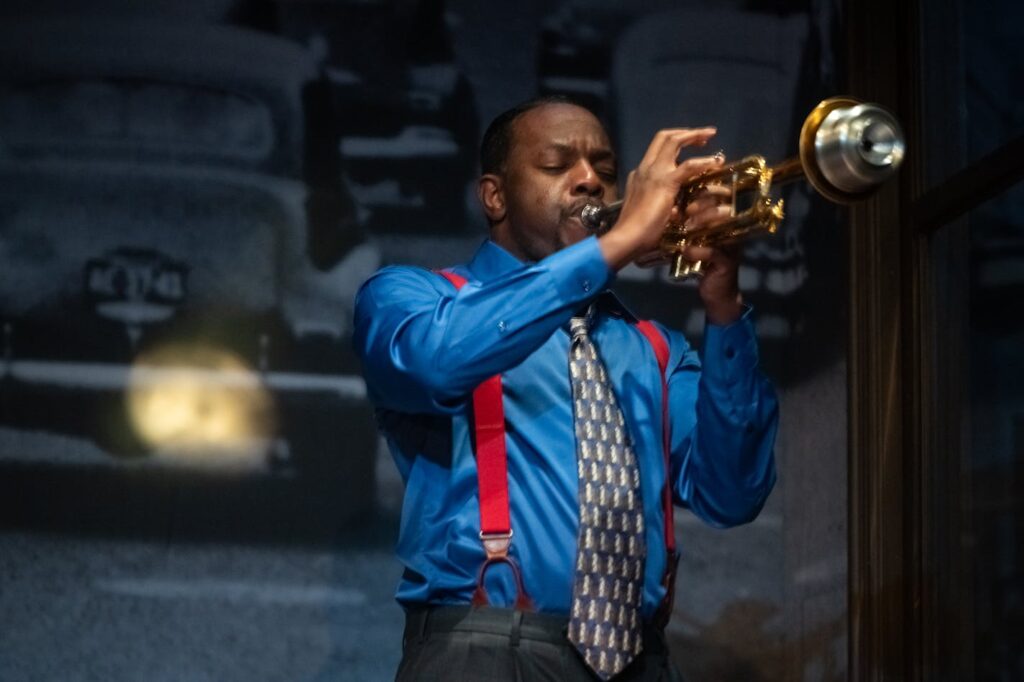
[906,361]
[911,586]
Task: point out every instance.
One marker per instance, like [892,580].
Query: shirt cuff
[730,351]
[579,271]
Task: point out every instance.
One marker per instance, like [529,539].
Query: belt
[421,622]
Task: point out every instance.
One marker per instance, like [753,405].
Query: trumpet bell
[848,148]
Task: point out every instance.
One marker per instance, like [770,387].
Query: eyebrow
[598,155]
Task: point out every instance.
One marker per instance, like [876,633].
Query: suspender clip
[496,544]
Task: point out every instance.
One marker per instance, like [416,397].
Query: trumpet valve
[672,245]
[683,269]
[773,216]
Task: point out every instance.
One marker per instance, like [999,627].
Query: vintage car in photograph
[180,253]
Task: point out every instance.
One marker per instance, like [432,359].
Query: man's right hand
[651,192]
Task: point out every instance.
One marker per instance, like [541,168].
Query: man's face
[560,160]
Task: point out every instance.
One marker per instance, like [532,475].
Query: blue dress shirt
[426,346]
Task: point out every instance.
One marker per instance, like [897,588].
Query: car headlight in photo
[200,404]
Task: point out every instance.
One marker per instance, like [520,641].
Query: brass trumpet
[847,149]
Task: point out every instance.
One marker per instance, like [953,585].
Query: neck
[502,236]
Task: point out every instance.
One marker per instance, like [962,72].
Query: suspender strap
[660,346]
[491,458]
[492,479]
[658,343]
[491,455]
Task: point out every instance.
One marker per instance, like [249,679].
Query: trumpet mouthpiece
[590,216]
[599,218]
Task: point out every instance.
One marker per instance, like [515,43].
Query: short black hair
[497,140]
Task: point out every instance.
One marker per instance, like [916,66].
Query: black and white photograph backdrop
[192,482]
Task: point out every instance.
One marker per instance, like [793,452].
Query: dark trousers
[465,644]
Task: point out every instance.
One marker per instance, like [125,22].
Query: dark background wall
[203,185]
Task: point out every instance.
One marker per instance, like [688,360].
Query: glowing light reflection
[202,405]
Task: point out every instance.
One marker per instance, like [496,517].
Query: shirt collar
[491,260]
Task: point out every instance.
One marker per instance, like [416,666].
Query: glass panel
[996,437]
[993,72]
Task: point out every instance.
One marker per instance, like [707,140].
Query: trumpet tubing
[847,149]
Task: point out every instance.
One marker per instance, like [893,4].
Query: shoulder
[400,282]
[401,290]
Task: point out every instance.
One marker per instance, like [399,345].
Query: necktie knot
[581,323]
[578,327]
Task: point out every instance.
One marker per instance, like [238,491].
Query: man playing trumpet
[543,432]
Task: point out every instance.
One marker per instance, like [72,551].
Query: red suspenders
[492,475]
[668,580]
[492,480]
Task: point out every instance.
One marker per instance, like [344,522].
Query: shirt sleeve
[724,418]
[425,345]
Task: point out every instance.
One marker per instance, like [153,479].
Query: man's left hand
[719,286]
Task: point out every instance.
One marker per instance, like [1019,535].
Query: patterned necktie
[605,622]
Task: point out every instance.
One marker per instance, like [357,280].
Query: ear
[491,191]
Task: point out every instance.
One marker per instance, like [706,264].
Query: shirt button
[586,285]
[729,352]
[502,326]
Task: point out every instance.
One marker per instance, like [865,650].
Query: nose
[587,181]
